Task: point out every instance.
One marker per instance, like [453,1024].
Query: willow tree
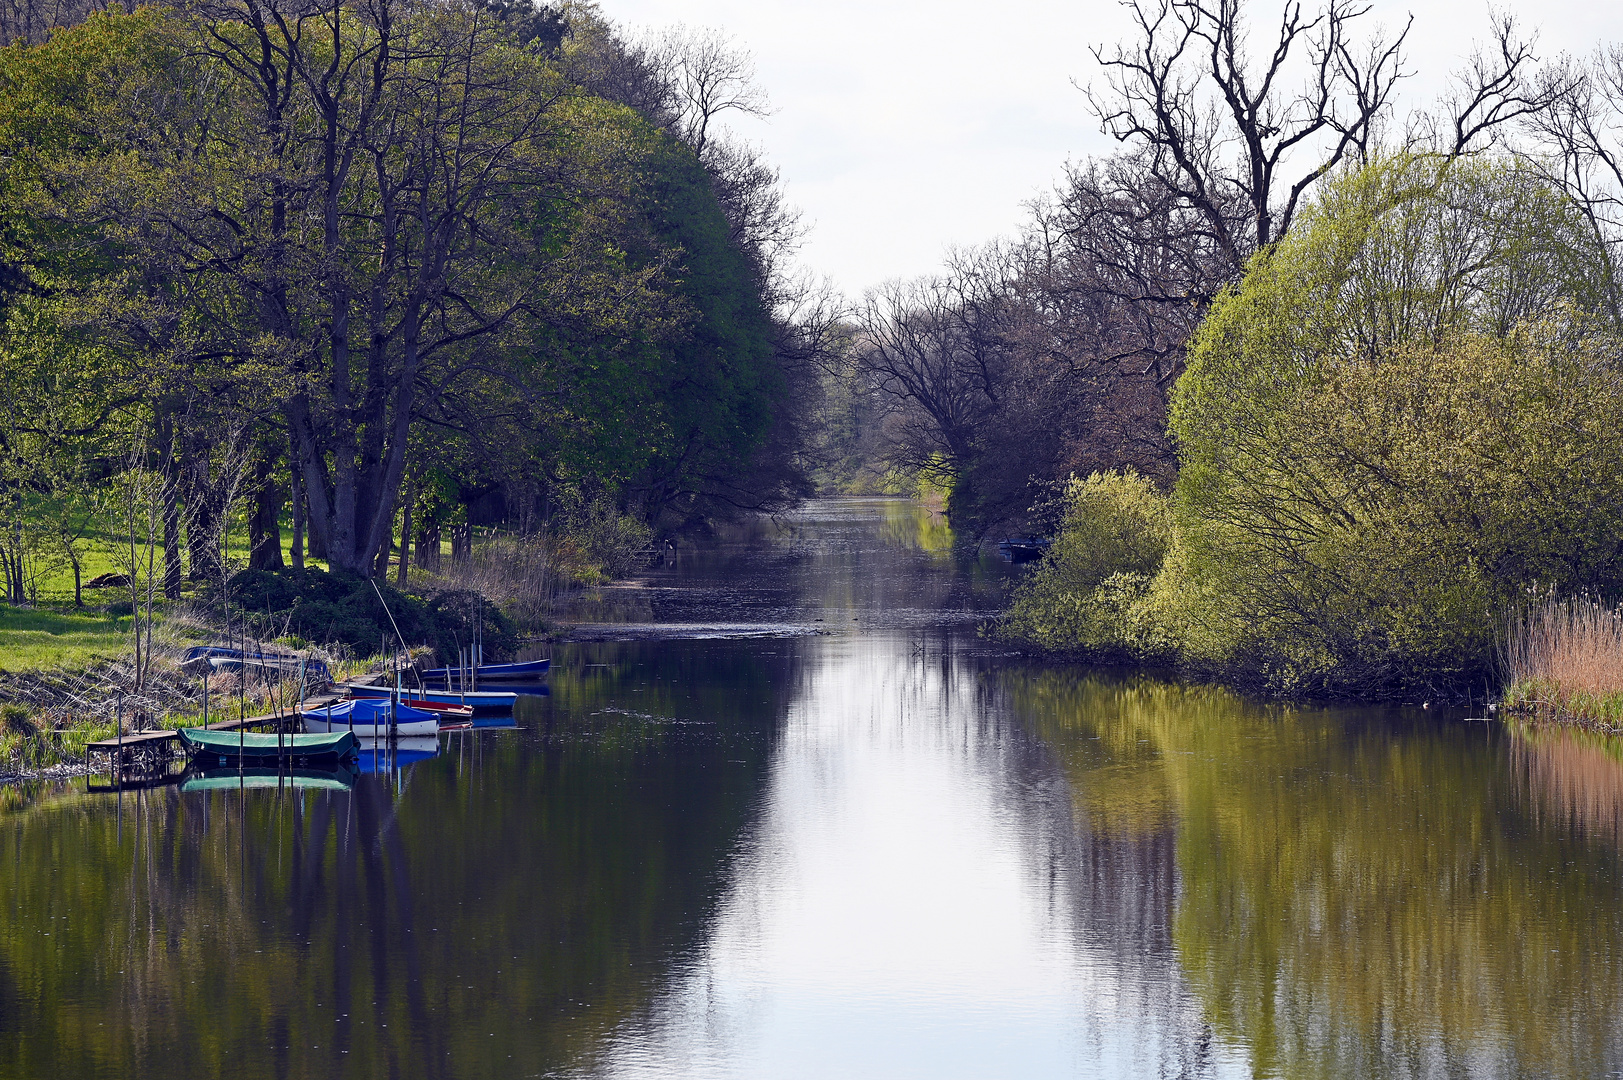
[1405,415]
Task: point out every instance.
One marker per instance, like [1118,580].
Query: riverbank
[69,676]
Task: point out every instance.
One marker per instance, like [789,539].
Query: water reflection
[490,910]
[878,847]
[1572,780]
[916,902]
[1359,893]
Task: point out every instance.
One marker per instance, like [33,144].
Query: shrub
[344,608]
[1087,594]
[14,719]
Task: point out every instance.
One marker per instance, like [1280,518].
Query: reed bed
[1563,661]
[527,575]
[523,575]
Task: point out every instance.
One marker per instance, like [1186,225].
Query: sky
[904,128]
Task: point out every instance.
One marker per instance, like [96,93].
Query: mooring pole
[118,760]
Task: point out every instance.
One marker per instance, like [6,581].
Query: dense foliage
[1115,534]
[348,610]
[1405,417]
[392,267]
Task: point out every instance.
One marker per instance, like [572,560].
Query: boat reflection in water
[339,778]
[386,755]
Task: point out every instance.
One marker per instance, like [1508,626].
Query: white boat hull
[317,725]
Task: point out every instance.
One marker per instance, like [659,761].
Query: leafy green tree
[1402,419]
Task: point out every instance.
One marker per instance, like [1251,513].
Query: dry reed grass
[48,715]
[523,575]
[1563,660]
[526,575]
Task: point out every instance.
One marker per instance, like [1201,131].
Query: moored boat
[1023,549]
[281,664]
[371,717]
[523,670]
[258,776]
[447,712]
[480,701]
[266,749]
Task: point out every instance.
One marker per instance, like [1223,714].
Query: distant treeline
[384,270]
[1306,394]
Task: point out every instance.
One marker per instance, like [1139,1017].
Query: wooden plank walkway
[140,742]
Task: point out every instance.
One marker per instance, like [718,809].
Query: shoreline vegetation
[244,390]
[1564,663]
[1380,457]
[1309,397]
[56,698]
[1312,435]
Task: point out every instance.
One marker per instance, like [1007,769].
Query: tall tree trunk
[461,543]
[405,531]
[428,546]
[202,509]
[380,565]
[297,477]
[264,528]
[171,508]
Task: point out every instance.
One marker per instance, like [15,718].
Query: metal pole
[119,722]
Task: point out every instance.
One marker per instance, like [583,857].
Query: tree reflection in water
[1361,892]
[881,847]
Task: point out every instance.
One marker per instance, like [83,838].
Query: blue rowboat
[482,701]
[371,717]
[523,670]
[242,746]
[282,665]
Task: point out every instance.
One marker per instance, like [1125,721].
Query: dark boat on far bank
[525,670]
[1023,549]
[480,701]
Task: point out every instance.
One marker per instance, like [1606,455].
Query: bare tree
[925,348]
[1218,127]
[706,75]
[1498,88]
[1579,142]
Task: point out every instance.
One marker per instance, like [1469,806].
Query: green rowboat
[236,745]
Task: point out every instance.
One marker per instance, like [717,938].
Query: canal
[786,812]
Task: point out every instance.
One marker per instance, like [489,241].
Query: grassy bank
[66,677]
[1564,662]
[64,669]
[34,639]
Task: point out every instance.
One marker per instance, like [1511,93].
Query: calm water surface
[786,815]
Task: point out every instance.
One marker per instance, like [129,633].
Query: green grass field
[32,640]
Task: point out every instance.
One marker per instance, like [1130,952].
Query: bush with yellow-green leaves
[1405,416]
